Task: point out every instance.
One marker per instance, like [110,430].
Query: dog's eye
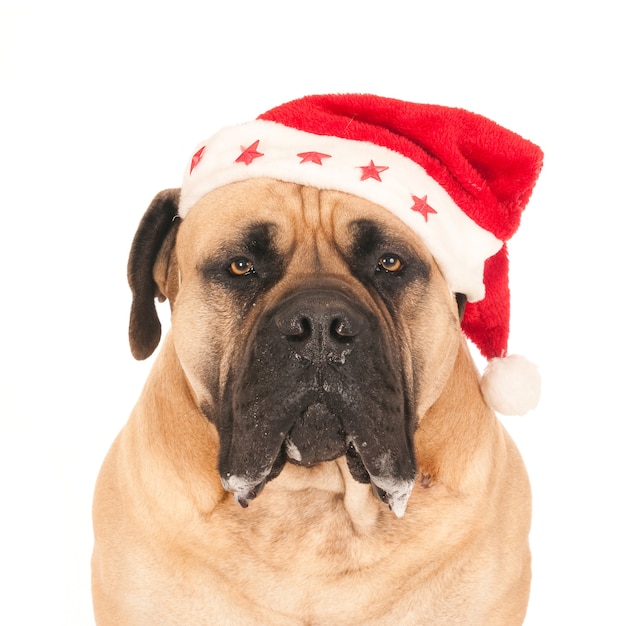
[390,263]
[241,266]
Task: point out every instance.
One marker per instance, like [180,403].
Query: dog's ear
[461,301]
[150,267]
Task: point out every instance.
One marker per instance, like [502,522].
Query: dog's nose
[319,324]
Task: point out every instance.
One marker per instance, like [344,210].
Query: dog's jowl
[314,444]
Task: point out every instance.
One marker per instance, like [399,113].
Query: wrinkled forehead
[288,213]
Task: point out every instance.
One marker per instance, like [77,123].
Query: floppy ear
[148,270]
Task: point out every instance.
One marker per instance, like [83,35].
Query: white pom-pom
[511,385]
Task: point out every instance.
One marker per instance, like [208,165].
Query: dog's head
[310,325]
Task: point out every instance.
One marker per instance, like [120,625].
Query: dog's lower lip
[397,496]
[394,492]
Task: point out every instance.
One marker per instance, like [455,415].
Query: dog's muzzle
[319,380]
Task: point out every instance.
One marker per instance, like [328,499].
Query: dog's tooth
[292,450]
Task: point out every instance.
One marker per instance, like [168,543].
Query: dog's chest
[304,578]
[306,563]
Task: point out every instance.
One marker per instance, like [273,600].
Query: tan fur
[316,547]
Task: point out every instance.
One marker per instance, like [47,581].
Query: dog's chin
[322,449]
[316,436]
[310,442]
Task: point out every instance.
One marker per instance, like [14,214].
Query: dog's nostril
[296,327]
[344,327]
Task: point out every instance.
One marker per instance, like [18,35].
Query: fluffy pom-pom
[511,385]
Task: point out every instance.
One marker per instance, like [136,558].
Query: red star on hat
[249,154]
[372,171]
[196,158]
[421,206]
[313,157]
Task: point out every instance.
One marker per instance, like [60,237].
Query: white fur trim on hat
[396,182]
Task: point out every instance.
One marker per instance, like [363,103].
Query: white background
[100,105]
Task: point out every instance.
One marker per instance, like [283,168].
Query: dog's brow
[259,237]
[367,236]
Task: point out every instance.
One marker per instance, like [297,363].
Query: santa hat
[457,179]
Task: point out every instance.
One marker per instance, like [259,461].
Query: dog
[312,445]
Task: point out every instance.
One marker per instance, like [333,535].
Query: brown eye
[240,266]
[390,263]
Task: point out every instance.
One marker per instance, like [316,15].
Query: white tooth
[292,450]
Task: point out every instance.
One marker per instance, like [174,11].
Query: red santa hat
[457,179]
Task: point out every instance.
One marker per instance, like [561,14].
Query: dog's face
[310,325]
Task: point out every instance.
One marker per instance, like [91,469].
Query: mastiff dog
[314,444]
